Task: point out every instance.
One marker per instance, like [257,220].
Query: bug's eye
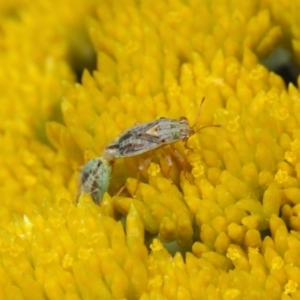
[183,120]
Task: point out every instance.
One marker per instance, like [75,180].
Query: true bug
[145,137]
[94,178]
[148,136]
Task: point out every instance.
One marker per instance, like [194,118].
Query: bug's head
[185,129]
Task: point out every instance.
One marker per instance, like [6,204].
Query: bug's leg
[140,169]
[182,160]
[178,156]
[122,188]
[138,176]
[180,165]
[145,163]
[169,160]
[166,161]
[78,195]
[199,112]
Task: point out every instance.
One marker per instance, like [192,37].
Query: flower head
[215,216]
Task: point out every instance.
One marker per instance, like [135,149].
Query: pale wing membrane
[140,144]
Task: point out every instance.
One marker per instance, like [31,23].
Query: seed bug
[145,137]
[94,178]
[148,136]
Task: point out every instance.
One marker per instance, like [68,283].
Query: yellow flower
[215,217]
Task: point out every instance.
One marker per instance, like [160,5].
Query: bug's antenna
[198,114]
[198,117]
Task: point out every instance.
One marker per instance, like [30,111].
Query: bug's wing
[138,146]
[130,142]
[140,139]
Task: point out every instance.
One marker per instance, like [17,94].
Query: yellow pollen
[56,220]
[174,90]
[153,169]
[151,264]
[253,250]
[194,159]
[216,80]
[282,113]
[290,287]
[49,257]
[277,263]
[198,170]
[233,69]
[67,261]
[156,245]
[233,125]
[84,253]
[271,97]
[94,239]
[290,156]
[233,254]
[257,73]
[27,225]
[295,144]
[281,176]
[156,282]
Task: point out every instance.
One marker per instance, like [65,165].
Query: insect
[94,178]
[151,135]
